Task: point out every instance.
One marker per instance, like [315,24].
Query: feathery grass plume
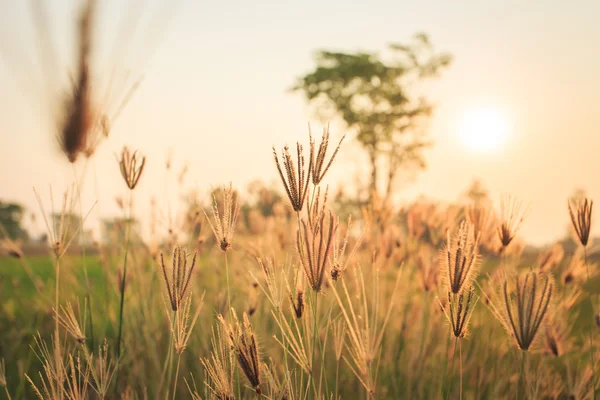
[314,246]
[242,342]
[219,367]
[296,336]
[337,261]
[483,219]
[316,207]
[274,291]
[317,161]
[577,269]
[61,234]
[132,166]
[102,369]
[53,367]
[181,327]
[224,227]
[181,275]
[581,218]
[513,214]
[78,378]
[296,185]
[276,389]
[460,259]
[527,303]
[365,331]
[70,322]
[550,258]
[78,114]
[460,310]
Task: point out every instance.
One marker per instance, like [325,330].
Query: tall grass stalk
[176,375]
[587,271]
[522,378]
[451,369]
[123,285]
[315,308]
[83,255]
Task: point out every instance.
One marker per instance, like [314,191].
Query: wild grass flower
[242,341]
[276,389]
[513,213]
[78,377]
[274,290]
[459,311]
[102,370]
[181,323]
[294,340]
[78,114]
[338,262]
[70,322]
[181,275]
[527,303]
[219,367]
[132,166]
[224,226]
[296,179]
[317,159]
[364,328]
[460,259]
[53,376]
[581,218]
[61,234]
[313,246]
[316,207]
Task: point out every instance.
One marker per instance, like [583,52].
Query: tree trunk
[374,173]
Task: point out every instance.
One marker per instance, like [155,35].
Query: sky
[215,95]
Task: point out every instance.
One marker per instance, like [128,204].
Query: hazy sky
[215,92]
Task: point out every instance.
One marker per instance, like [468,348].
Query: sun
[485,129]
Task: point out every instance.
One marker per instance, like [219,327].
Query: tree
[372,97]
[11,218]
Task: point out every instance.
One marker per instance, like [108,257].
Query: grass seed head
[181,275]
[314,246]
[317,158]
[513,214]
[223,226]
[296,179]
[581,218]
[460,259]
[526,304]
[132,166]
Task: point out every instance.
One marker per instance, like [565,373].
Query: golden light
[484,130]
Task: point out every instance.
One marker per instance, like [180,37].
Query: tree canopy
[375,98]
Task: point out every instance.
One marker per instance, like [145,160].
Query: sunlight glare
[484,130]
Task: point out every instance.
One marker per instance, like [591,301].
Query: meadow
[283,299]
[299,291]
